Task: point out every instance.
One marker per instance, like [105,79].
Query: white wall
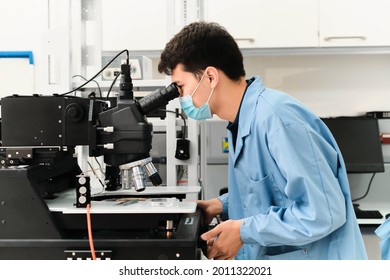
[331,85]
[21,26]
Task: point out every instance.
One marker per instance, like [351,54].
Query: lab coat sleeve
[225,204]
[383,232]
[315,205]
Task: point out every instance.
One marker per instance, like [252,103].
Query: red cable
[90,232]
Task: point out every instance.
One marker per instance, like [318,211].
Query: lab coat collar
[247,113]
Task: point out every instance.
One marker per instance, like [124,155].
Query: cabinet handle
[250,40]
[344,37]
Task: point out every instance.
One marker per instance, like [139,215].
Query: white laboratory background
[332,55]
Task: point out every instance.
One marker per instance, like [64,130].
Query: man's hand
[223,241]
[211,208]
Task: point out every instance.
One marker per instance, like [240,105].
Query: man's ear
[212,75]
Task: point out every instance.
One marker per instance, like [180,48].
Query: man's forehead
[178,69]
[179,74]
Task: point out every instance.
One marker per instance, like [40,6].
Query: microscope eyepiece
[158,98]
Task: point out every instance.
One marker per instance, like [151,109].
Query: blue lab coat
[383,232]
[288,183]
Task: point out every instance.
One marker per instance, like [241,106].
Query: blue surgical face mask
[201,113]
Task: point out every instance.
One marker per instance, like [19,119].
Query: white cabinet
[267,23]
[354,23]
[303,23]
[134,24]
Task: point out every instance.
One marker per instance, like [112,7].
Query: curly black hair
[202,44]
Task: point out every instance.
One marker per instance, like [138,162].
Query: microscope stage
[128,201]
[152,191]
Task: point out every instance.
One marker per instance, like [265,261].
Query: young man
[288,196]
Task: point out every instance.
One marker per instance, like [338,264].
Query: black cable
[100,167]
[181,115]
[100,91]
[98,73]
[368,189]
[97,177]
[112,85]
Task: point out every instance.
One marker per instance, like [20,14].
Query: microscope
[44,130]
[39,218]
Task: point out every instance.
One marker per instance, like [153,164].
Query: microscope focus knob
[74,112]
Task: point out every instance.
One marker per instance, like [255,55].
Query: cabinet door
[354,22]
[267,23]
[134,24]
